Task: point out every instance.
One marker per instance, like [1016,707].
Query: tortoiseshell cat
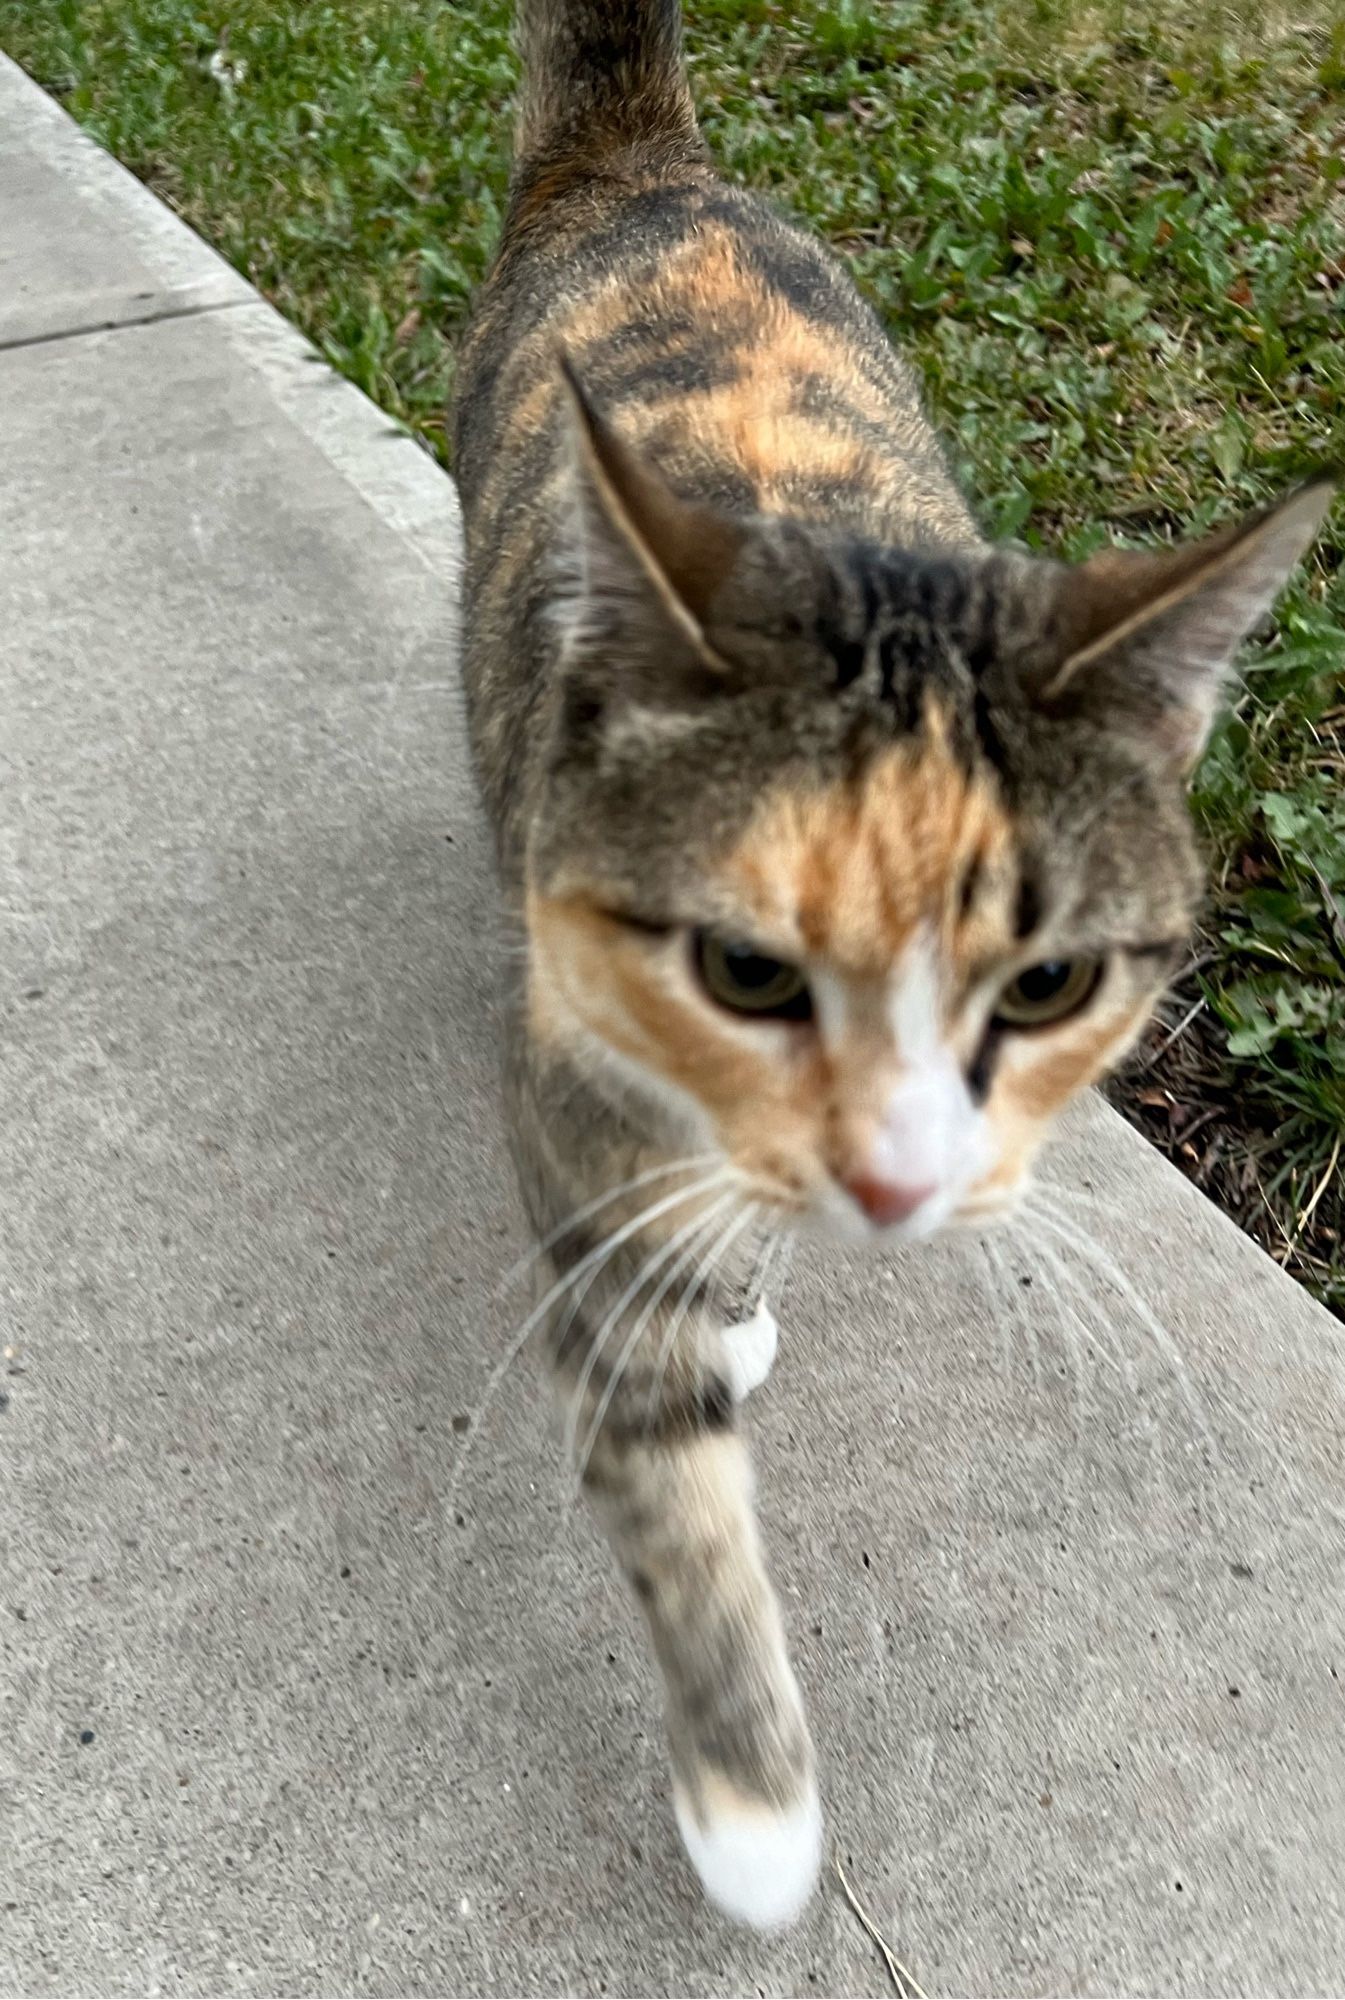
[847,848]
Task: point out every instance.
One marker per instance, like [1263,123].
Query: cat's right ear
[643,565]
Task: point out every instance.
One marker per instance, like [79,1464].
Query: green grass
[1114,239]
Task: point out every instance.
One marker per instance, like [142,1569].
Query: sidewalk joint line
[121,325]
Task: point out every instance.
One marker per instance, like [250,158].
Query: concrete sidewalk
[272,1722]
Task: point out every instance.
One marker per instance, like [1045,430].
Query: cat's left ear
[1147,640]
[647,563]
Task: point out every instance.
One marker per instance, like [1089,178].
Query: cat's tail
[601,78]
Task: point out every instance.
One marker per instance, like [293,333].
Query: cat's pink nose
[886,1202]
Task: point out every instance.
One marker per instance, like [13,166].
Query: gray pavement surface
[271,1720]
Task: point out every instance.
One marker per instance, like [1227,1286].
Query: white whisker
[1105,1267]
[1031,1340]
[661,1252]
[679,1314]
[1070,1197]
[1090,1320]
[477,1416]
[581,1291]
[688,1261]
[589,1268]
[1079,1334]
[599,1202]
[768,1266]
[727,1236]
[587,1265]
[998,1283]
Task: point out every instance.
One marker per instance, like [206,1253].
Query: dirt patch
[1180,1090]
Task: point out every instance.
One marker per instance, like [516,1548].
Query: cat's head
[864,862]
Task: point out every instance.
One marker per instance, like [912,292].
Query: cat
[846,848]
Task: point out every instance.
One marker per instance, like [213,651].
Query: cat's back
[724,342]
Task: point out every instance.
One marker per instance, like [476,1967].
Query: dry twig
[903,1982]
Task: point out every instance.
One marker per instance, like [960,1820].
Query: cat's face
[873,988]
[864,865]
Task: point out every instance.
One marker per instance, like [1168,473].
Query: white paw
[756,1865]
[749,1351]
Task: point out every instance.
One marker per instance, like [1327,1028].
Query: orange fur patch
[851,872]
[753,418]
[1032,1089]
[768,1111]
[1069,1062]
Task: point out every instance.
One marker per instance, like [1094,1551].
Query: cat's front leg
[675,1498]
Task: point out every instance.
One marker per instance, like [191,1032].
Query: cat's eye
[1049,992]
[748,982]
